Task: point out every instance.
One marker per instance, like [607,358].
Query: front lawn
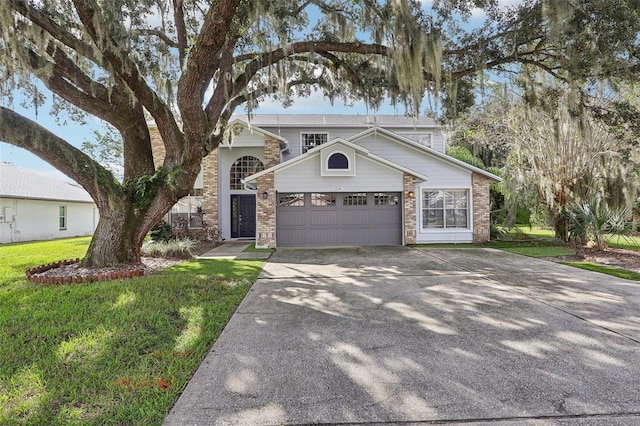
[605,269]
[551,248]
[118,352]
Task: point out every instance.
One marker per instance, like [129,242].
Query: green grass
[540,251]
[609,270]
[537,248]
[118,352]
[628,242]
[535,232]
[18,257]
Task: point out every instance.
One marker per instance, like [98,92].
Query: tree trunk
[116,238]
[561,225]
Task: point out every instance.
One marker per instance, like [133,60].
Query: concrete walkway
[234,250]
[391,336]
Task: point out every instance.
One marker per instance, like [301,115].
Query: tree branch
[127,70]
[24,133]
[157,33]
[181,30]
[56,31]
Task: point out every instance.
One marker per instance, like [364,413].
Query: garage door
[338,219]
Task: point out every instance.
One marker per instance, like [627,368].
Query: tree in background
[554,149]
[189,64]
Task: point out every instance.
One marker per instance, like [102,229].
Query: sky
[76,133]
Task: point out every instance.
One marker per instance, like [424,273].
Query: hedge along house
[339,180]
[34,207]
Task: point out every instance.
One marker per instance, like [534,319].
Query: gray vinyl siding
[437,141]
[292,135]
[369,176]
[440,174]
[246,138]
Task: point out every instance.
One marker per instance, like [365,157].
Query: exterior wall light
[410,194]
[265,195]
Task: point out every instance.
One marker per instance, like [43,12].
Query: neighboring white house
[34,207]
[336,180]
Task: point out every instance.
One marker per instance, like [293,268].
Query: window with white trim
[243,167]
[62,217]
[311,140]
[421,138]
[445,208]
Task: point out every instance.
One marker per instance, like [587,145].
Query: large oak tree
[188,64]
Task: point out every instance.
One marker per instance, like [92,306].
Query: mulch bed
[69,271]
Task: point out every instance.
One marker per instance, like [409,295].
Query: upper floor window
[421,138]
[311,140]
[243,167]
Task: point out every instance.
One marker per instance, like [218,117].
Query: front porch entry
[243,216]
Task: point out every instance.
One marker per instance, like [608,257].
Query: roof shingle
[21,183]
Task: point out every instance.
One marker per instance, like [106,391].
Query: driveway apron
[397,335]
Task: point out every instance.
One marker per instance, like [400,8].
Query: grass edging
[604,269]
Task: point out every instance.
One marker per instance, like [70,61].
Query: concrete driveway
[414,336]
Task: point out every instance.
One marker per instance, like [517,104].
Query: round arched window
[338,161]
[243,167]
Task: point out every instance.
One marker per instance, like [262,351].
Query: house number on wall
[338,188]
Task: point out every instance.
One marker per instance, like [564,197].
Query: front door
[243,216]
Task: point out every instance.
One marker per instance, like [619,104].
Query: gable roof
[338,120]
[338,141]
[425,149]
[20,183]
[284,144]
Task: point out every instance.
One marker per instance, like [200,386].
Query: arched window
[243,167]
[338,160]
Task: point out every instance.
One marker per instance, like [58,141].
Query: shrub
[161,231]
[590,222]
[180,249]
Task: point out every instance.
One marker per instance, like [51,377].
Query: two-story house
[338,180]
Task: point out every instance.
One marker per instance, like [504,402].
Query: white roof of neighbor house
[25,184]
[337,120]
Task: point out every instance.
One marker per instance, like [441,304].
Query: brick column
[271,152]
[481,219]
[410,217]
[266,211]
[210,189]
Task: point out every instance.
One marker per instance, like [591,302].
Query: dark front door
[243,216]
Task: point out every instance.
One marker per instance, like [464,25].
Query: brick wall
[210,189]
[266,213]
[271,152]
[481,220]
[409,209]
